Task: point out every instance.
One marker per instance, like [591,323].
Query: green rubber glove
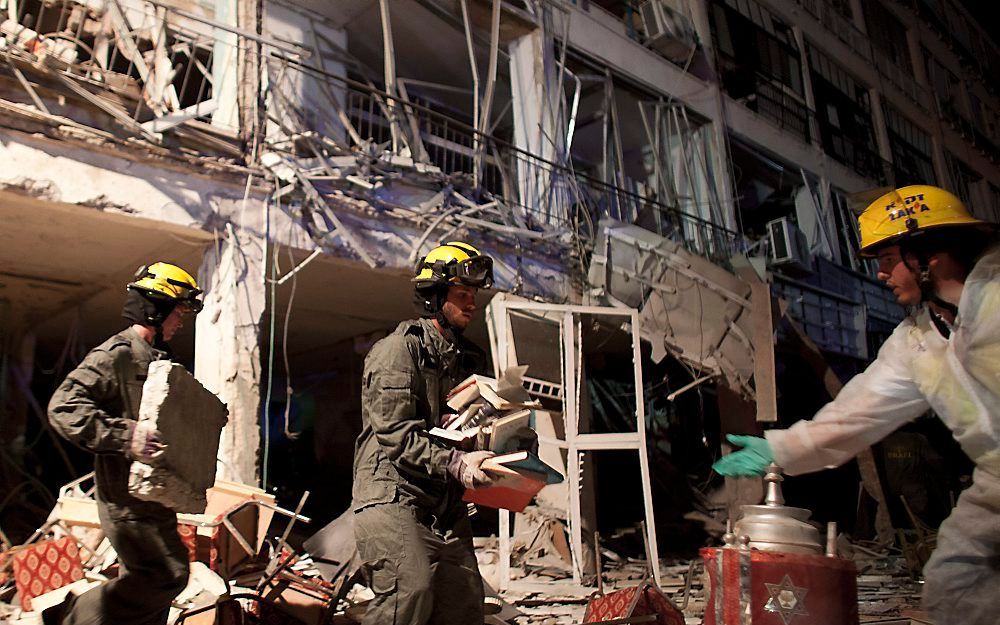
[751,460]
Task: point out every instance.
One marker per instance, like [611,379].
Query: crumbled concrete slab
[190,419]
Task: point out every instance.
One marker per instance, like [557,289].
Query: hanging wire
[284,350]
[273,281]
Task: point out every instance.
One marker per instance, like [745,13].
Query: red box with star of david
[646,599]
[779,588]
[44,567]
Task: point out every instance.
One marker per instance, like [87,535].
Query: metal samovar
[774,526]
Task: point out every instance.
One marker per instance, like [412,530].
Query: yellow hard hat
[454,263]
[165,281]
[907,210]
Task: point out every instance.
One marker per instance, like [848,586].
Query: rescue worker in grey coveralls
[411,526]
[945,356]
[96,408]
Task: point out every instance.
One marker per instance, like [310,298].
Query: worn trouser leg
[421,574]
[458,585]
[153,570]
[963,574]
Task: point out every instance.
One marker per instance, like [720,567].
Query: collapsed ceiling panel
[688,307]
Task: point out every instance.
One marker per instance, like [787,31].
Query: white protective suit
[959,378]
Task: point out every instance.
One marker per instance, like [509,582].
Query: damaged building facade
[696,160]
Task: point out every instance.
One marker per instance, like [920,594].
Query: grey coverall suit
[411,526]
[95,408]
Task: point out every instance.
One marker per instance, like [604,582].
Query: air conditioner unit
[789,247]
[668,31]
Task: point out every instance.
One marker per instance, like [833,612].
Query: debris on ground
[238,567]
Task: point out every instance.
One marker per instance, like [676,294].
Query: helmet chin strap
[158,341]
[433,307]
[450,332]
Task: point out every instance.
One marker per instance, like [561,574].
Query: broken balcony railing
[170,69]
[162,67]
[544,192]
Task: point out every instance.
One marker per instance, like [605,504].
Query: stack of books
[496,415]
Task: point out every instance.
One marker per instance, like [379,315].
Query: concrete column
[826,214]
[917,58]
[227,352]
[858,16]
[539,127]
[941,169]
[252,115]
[698,11]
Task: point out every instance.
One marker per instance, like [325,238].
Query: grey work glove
[145,444]
[467,468]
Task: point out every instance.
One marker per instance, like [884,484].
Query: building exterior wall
[299,151]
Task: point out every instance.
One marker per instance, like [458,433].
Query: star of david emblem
[787,599]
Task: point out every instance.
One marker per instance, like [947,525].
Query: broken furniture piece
[644,603]
[560,378]
[778,569]
[232,539]
[76,506]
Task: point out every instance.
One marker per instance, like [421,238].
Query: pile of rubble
[241,571]
[889,585]
[237,567]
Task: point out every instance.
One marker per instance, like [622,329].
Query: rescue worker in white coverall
[944,356]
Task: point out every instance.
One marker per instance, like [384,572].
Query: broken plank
[166,122]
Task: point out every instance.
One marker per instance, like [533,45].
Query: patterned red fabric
[189,536]
[46,566]
[642,600]
[200,548]
[617,604]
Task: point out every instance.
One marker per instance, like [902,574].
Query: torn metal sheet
[688,306]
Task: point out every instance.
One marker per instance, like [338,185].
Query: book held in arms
[517,478]
[510,432]
[489,412]
[498,415]
[507,393]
